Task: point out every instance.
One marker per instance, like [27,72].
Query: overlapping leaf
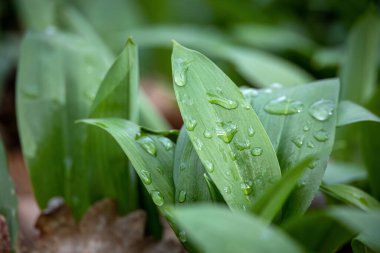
[300,122]
[151,155]
[188,172]
[226,133]
[349,113]
[217,229]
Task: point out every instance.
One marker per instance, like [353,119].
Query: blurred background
[257,43]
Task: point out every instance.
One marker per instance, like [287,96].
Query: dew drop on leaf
[226,131]
[180,70]
[256,151]
[190,124]
[167,143]
[227,189]
[310,144]
[321,136]
[182,236]
[182,196]
[198,143]
[222,101]
[246,187]
[146,177]
[207,134]
[148,145]
[209,166]
[157,198]
[242,144]
[306,128]
[298,140]
[182,166]
[322,109]
[251,132]
[283,106]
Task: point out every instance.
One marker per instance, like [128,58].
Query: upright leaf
[349,113]
[8,199]
[300,122]
[225,131]
[217,229]
[358,70]
[57,79]
[151,155]
[188,172]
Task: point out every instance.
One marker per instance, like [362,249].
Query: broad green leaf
[300,122]
[8,199]
[349,113]
[217,229]
[37,14]
[58,77]
[359,68]
[151,155]
[340,173]
[257,67]
[273,199]
[226,133]
[370,146]
[189,183]
[328,230]
[351,195]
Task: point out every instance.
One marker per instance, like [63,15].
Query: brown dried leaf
[100,230]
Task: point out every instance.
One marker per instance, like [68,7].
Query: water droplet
[157,198]
[224,102]
[312,164]
[251,132]
[148,145]
[321,136]
[146,177]
[242,144]
[209,166]
[190,124]
[166,142]
[182,196]
[226,131]
[233,155]
[182,236]
[31,90]
[227,189]
[298,140]
[276,85]
[246,105]
[180,69]
[246,187]
[322,109]
[306,128]
[256,151]
[249,92]
[198,143]
[182,166]
[267,90]
[159,170]
[207,134]
[310,144]
[283,106]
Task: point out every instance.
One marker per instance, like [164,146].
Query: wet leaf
[229,154]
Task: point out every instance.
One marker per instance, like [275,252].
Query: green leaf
[349,113]
[359,68]
[340,173]
[189,183]
[217,229]
[221,126]
[150,117]
[149,154]
[57,79]
[273,199]
[351,195]
[300,122]
[370,146]
[328,230]
[8,199]
[359,247]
